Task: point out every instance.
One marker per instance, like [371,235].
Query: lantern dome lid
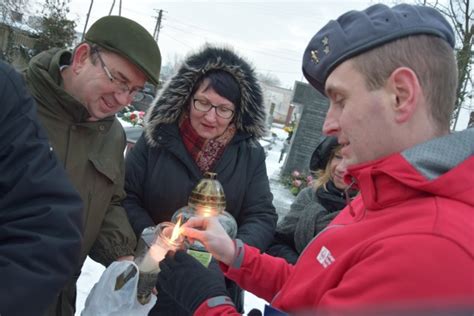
[208,193]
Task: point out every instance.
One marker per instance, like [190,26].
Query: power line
[211,32]
[273,9]
[176,26]
[263,52]
[278,71]
[181,42]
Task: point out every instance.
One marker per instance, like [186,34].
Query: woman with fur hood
[207,118]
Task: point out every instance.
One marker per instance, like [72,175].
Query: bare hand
[212,235]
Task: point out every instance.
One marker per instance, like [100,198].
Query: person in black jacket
[208,118]
[40,212]
[316,206]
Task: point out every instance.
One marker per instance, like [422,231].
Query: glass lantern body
[225,219]
[207,199]
[152,247]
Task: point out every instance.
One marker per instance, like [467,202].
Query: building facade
[277,102]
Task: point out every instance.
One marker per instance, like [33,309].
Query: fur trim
[168,105]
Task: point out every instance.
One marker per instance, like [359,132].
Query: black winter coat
[160,173]
[40,211]
[160,179]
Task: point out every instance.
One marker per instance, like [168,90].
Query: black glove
[188,281]
[254,312]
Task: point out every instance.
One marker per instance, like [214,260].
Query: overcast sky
[272,35]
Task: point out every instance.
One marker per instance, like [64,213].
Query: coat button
[101,128]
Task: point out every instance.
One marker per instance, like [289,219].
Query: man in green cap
[78,94]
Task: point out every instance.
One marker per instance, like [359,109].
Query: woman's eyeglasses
[205,106]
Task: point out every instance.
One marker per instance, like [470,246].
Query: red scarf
[205,152]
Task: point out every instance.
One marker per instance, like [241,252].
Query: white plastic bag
[104,300]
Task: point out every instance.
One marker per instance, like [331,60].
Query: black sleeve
[135,174]
[257,220]
[283,244]
[283,247]
[40,211]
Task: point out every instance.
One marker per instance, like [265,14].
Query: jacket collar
[441,167]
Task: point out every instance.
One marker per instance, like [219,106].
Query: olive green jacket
[92,154]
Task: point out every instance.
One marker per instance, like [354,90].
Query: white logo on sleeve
[325,257]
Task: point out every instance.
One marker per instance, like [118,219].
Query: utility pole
[120,8]
[87,20]
[112,7]
[156,33]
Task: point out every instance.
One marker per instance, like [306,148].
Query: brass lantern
[207,199]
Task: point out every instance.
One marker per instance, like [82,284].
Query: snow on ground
[91,270]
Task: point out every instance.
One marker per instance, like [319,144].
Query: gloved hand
[188,281]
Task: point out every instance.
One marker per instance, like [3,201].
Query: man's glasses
[121,85]
[206,106]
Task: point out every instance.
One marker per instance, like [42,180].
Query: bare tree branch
[460,15]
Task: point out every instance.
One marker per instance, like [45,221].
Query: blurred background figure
[315,206]
[285,148]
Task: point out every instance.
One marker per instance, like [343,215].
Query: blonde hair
[323,176]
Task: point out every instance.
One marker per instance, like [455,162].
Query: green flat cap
[130,40]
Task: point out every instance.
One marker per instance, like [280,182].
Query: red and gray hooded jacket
[405,244]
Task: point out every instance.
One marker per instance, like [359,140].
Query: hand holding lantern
[207,199]
[152,247]
[213,236]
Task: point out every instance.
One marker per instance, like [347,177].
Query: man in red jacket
[405,244]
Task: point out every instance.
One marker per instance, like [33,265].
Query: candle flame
[176,230]
[206,212]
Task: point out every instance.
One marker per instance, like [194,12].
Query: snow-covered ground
[91,271]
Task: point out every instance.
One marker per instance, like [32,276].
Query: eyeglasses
[121,85]
[205,106]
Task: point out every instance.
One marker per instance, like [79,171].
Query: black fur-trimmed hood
[168,105]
